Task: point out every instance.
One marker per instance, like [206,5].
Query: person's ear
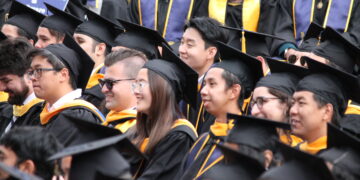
[27,166]
[268,155]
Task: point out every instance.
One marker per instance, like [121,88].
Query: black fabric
[312,38]
[115,9]
[94,96]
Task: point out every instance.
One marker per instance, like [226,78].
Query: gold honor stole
[293,141]
[129,117]
[19,111]
[93,80]
[352,109]
[4,96]
[179,122]
[46,115]
[314,147]
[250,12]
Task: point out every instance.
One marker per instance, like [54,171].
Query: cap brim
[277,66]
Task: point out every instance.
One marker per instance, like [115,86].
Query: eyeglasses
[259,101]
[109,83]
[138,85]
[293,59]
[37,73]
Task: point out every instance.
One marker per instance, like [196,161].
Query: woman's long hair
[163,112]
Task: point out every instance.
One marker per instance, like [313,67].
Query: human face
[272,108]
[86,43]
[142,92]
[193,52]
[120,97]
[47,82]
[10,31]
[45,38]
[8,157]
[16,87]
[214,94]
[306,118]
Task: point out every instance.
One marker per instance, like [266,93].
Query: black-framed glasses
[259,101]
[293,59]
[37,73]
[109,83]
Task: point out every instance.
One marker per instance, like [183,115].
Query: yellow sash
[115,116]
[93,80]
[221,129]
[4,96]
[179,122]
[250,12]
[293,141]
[21,110]
[315,146]
[352,109]
[45,115]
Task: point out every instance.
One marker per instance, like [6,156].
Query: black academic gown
[203,155]
[115,9]
[284,25]
[4,9]
[165,160]
[233,17]
[62,127]
[95,97]
[30,118]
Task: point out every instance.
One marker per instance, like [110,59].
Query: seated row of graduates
[160,131]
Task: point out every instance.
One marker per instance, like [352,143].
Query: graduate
[342,155]
[294,18]
[23,22]
[27,148]
[226,85]
[272,95]
[59,75]
[23,107]
[95,37]
[161,132]
[53,28]
[198,49]
[139,38]
[298,166]
[320,98]
[122,67]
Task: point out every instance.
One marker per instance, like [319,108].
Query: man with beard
[24,108]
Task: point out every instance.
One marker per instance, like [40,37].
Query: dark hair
[58,35]
[53,60]
[209,30]
[163,112]
[252,152]
[230,80]
[283,97]
[321,102]
[121,55]
[12,56]
[33,143]
[24,34]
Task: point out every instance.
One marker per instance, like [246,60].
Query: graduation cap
[330,83]
[312,38]
[15,173]
[140,38]
[99,28]
[247,68]
[284,76]
[255,132]
[182,78]
[60,21]
[298,166]
[255,42]
[101,156]
[234,166]
[74,58]
[25,18]
[338,49]
[342,150]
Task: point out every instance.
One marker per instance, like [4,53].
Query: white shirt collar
[29,98]
[65,99]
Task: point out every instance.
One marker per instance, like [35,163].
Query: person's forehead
[214,73]
[39,61]
[303,95]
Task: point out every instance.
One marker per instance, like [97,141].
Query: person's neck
[203,70]
[222,117]
[316,134]
[60,94]
[98,61]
